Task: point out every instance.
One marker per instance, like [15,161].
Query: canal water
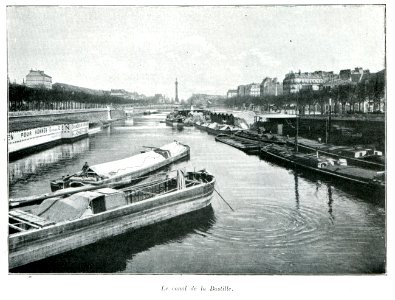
[282,222]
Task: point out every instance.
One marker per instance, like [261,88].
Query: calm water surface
[283,222]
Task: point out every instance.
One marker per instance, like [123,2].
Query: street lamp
[328,123]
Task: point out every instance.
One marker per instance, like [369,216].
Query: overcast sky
[209,49]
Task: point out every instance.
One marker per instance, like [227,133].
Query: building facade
[119,93]
[252,89]
[38,79]
[356,75]
[294,82]
[231,93]
[271,87]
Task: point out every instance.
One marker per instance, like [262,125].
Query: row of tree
[22,98]
[346,97]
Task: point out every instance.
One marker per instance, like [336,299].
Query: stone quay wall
[91,115]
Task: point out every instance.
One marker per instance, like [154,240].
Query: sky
[208,49]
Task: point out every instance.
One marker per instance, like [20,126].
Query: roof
[38,72]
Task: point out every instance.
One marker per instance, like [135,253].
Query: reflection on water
[111,255]
[39,162]
[330,202]
[284,222]
[296,190]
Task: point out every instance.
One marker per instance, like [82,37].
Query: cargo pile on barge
[60,224]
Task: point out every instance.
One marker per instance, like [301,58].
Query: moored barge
[124,170]
[247,147]
[336,169]
[58,225]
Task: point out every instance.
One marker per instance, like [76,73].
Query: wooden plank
[30,217]
[25,222]
[16,227]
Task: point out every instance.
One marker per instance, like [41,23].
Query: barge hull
[338,177]
[54,240]
[126,179]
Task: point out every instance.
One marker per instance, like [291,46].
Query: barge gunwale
[26,247]
[129,177]
[247,147]
[327,173]
[354,161]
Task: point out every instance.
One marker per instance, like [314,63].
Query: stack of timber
[61,224]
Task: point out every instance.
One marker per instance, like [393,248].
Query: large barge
[28,137]
[336,169]
[216,129]
[124,170]
[58,225]
[246,146]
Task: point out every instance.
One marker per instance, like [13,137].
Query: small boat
[150,111]
[124,170]
[216,129]
[201,125]
[175,122]
[263,137]
[247,147]
[59,224]
[334,168]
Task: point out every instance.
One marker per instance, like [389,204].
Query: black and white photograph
[196,139]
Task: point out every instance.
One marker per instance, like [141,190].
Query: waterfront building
[231,93]
[331,83]
[357,75]
[119,93]
[294,82]
[252,89]
[271,87]
[38,79]
[203,99]
[241,90]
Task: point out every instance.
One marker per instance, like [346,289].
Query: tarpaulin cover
[70,208]
[137,162]
[213,125]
